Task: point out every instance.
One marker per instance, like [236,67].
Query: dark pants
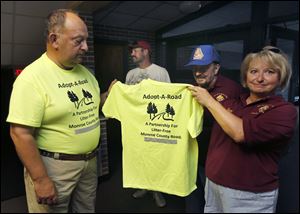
[194,203]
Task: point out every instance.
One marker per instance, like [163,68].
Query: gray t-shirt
[153,72]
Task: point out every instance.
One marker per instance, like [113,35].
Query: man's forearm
[25,144]
[103,97]
[28,153]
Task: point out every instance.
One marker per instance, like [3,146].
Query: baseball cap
[204,55]
[140,44]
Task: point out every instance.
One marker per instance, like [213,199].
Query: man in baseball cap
[140,44]
[204,55]
[205,64]
[141,53]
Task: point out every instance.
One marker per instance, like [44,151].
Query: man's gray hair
[55,21]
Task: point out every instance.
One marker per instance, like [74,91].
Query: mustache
[200,76]
[80,55]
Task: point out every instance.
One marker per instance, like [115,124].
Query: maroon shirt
[224,89]
[253,165]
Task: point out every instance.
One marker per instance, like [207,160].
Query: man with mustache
[205,64]
[141,55]
[54,116]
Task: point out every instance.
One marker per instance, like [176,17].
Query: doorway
[110,62]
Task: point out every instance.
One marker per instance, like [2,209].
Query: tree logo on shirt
[167,115]
[87,98]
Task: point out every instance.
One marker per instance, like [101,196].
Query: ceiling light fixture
[189,6]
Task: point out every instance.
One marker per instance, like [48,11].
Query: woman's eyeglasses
[274,50]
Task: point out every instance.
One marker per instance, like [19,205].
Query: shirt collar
[271,98]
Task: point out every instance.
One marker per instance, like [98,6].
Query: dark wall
[12,184]
[288,199]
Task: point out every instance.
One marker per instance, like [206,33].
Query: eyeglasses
[274,50]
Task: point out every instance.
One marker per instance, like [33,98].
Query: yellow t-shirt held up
[160,122]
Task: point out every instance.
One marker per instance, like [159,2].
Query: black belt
[62,156]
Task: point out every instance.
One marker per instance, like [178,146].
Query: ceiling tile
[173,2]
[146,24]
[7,6]
[137,7]
[100,15]
[118,20]
[234,13]
[38,8]
[165,12]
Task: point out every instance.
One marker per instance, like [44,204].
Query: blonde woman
[248,137]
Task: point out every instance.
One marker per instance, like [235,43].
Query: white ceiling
[22,22]
[140,15]
[31,8]
[153,15]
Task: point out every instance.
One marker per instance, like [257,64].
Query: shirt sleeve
[196,120]
[112,104]
[27,104]
[166,77]
[274,125]
[127,78]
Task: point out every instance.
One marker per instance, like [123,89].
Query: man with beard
[141,56]
[205,64]
[54,116]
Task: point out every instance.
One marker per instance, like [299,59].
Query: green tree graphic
[72,96]
[86,94]
[172,111]
[168,108]
[154,109]
[149,109]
